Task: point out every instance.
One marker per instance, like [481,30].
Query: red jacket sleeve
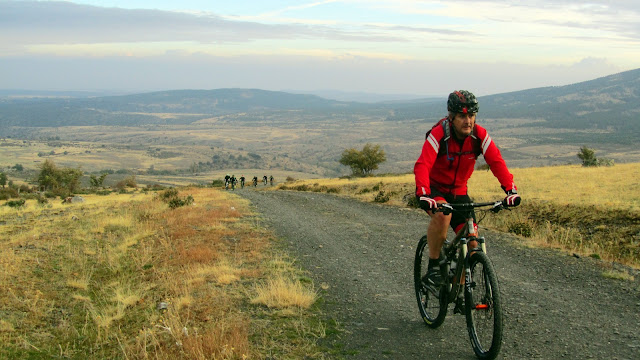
[494,159]
[425,162]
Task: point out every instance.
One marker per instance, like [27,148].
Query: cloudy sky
[377,46]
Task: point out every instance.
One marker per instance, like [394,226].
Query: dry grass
[282,292]
[619,275]
[123,276]
[590,211]
[614,187]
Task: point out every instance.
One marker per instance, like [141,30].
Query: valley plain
[196,136]
[201,152]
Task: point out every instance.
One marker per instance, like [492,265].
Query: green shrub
[605,162]
[8,193]
[177,202]
[129,181]
[217,183]
[15,203]
[382,197]
[168,194]
[521,228]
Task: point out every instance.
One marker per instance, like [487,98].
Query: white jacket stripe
[434,144]
[485,143]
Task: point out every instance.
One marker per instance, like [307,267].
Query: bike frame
[459,245]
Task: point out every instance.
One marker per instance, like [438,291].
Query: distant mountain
[611,102]
[24,94]
[138,109]
[363,97]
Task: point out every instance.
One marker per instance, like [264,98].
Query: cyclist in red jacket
[447,161]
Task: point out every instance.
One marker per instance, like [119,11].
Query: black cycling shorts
[457,217]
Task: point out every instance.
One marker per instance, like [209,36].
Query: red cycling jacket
[451,176]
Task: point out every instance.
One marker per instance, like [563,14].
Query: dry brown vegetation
[588,211]
[125,276]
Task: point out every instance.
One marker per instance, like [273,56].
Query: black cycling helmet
[462,101]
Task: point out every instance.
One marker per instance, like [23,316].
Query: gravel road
[556,305]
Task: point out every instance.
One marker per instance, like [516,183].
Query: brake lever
[498,206]
[445,208]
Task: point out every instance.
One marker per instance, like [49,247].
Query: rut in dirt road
[556,306]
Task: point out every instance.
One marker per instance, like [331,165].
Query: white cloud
[273,72]
[385,46]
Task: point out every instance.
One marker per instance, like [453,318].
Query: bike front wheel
[432,306]
[483,307]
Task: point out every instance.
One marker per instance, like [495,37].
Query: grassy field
[587,211]
[124,276]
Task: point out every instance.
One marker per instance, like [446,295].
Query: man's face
[463,124]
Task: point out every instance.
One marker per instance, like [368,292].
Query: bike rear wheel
[483,307]
[433,307]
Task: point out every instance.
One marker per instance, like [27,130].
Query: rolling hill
[207,131]
[184,106]
[609,103]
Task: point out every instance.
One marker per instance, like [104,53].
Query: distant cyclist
[447,161]
[242,182]
[264,179]
[271,179]
[233,181]
[226,181]
[255,181]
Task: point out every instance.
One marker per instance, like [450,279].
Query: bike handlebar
[447,208]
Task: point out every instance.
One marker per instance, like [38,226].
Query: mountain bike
[470,282]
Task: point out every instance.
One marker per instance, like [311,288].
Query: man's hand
[512,199]
[427,203]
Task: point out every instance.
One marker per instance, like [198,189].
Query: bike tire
[433,309]
[483,307]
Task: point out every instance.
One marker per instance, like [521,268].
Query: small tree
[587,156]
[48,176]
[62,181]
[363,162]
[3,179]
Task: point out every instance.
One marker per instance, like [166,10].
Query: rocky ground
[556,305]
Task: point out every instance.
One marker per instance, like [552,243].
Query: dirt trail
[556,305]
